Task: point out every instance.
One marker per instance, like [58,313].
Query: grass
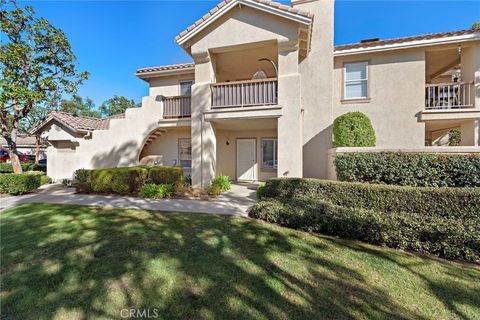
[74,262]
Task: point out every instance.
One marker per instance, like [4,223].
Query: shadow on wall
[315,159]
[91,262]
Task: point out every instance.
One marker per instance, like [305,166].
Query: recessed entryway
[246,159]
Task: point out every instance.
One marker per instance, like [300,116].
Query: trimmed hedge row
[449,238]
[16,184]
[7,167]
[448,202]
[443,221]
[125,180]
[410,169]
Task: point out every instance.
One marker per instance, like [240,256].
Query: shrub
[452,202]
[353,129]
[16,184]
[261,191]
[118,180]
[157,191]
[165,174]
[223,182]
[214,190]
[454,137]
[45,180]
[7,167]
[412,169]
[450,238]
[82,178]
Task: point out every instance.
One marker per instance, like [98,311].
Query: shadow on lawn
[92,263]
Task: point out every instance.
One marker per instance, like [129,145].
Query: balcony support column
[290,123]
[203,134]
[470,64]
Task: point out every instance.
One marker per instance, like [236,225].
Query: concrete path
[237,201]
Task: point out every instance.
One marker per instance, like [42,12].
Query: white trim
[164,73]
[253,4]
[409,44]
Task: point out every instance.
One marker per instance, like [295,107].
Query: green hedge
[353,129]
[447,237]
[454,202]
[125,180]
[410,169]
[118,180]
[7,167]
[165,174]
[16,184]
[443,221]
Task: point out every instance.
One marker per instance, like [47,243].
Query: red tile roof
[219,6]
[165,68]
[78,123]
[429,36]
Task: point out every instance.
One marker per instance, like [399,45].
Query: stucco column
[470,68]
[289,124]
[203,133]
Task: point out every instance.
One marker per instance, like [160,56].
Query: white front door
[246,159]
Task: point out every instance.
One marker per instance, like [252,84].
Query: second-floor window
[356,80]
[186,88]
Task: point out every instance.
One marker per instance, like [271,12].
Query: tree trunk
[12,148]
[37,148]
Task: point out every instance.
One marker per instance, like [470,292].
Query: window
[186,88]
[269,153]
[185,152]
[356,80]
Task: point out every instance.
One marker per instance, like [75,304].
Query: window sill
[356,100]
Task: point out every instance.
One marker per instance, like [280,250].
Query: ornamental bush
[219,184]
[451,202]
[410,169]
[7,167]
[450,238]
[83,183]
[165,174]
[353,129]
[16,184]
[118,180]
[157,191]
[442,221]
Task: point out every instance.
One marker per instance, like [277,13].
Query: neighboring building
[263,91]
[26,145]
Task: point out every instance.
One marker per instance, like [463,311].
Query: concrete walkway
[237,201]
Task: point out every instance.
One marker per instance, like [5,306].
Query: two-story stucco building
[264,87]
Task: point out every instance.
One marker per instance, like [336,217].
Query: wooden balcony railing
[244,93]
[177,107]
[456,95]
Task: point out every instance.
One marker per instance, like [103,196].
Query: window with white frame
[356,80]
[269,153]
[185,152]
[186,88]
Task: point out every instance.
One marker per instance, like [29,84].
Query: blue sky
[113,38]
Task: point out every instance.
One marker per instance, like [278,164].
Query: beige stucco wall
[168,86]
[396,92]
[226,154]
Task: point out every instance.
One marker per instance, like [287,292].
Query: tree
[476,25]
[80,107]
[353,129]
[37,66]
[117,105]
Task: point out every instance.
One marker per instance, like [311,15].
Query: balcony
[177,107]
[249,93]
[447,96]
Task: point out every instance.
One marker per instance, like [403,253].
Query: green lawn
[73,262]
